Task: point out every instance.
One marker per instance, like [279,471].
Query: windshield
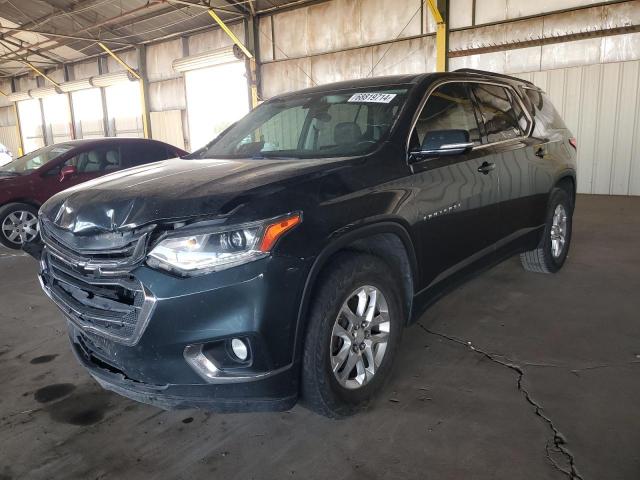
[327,124]
[31,161]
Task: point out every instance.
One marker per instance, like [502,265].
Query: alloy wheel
[558,231]
[359,337]
[20,227]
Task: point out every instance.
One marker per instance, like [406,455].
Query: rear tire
[18,225]
[551,253]
[355,325]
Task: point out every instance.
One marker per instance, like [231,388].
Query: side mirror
[67,171]
[444,142]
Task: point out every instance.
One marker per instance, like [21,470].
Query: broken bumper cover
[256,302]
[274,393]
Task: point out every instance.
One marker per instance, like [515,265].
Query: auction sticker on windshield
[372,97]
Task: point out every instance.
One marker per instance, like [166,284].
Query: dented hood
[174,189]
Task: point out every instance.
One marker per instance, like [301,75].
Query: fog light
[239,349]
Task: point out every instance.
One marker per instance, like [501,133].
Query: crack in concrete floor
[559,441]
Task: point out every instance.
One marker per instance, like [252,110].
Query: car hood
[176,189]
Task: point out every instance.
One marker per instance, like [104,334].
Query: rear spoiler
[500,75]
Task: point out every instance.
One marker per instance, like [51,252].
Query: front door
[456,195]
[90,163]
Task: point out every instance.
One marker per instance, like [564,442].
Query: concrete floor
[512,376]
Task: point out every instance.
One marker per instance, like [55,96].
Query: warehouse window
[57,118]
[31,124]
[87,112]
[216,97]
[124,109]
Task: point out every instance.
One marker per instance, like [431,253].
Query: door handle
[540,152]
[486,167]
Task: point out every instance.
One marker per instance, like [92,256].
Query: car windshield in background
[34,160]
[328,124]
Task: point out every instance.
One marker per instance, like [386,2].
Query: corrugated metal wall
[167,127]
[601,106]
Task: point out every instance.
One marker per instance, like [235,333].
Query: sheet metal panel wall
[167,127]
[601,106]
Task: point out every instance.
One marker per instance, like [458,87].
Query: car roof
[386,81]
[407,80]
[95,141]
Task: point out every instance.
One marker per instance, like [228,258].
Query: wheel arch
[26,201]
[386,239]
[567,182]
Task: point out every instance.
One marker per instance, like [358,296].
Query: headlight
[209,252]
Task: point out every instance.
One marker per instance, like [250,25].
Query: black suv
[284,259]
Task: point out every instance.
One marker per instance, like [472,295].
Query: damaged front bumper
[273,392]
[146,356]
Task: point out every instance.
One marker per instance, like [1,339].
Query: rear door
[456,195]
[523,178]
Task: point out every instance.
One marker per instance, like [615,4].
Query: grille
[97,292]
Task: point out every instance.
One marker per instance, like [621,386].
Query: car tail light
[573,142]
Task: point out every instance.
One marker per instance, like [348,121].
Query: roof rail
[492,74]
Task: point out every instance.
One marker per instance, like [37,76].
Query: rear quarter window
[547,118]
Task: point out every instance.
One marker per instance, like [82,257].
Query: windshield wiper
[263,155]
[8,174]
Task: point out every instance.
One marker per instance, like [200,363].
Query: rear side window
[449,107]
[499,112]
[547,118]
[140,153]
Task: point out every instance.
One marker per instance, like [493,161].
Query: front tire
[551,253]
[355,325]
[18,225]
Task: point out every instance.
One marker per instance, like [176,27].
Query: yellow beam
[441,37]
[41,73]
[120,61]
[143,101]
[245,50]
[19,129]
[228,31]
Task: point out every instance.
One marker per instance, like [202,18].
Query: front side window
[448,107]
[326,124]
[500,118]
[96,160]
[34,160]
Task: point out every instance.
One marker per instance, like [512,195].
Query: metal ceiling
[50,33]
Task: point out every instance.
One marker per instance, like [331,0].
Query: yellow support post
[441,37]
[245,50]
[15,112]
[19,129]
[145,125]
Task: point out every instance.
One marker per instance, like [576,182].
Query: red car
[27,182]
